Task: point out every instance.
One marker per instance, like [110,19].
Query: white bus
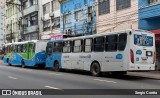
[129,50]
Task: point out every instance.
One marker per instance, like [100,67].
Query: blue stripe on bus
[38,58]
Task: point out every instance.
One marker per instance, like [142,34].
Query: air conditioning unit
[51,14]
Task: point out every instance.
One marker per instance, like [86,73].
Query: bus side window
[88,45]
[99,44]
[57,47]
[19,48]
[122,41]
[111,43]
[24,48]
[77,45]
[67,46]
[16,50]
[34,46]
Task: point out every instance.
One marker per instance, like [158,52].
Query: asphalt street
[12,77]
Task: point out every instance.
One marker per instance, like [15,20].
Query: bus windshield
[143,40]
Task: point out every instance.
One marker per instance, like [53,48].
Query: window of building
[33,2]
[78,15]
[88,45]
[104,6]
[122,41]
[46,25]
[122,4]
[46,8]
[67,46]
[55,5]
[111,43]
[55,22]
[77,46]
[67,18]
[34,19]
[99,44]
[58,47]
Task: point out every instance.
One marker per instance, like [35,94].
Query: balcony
[149,11]
[31,29]
[30,10]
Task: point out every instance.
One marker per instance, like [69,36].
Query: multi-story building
[11,21]
[29,21]
[115,15]
[78,17]
[149,19]
[1,22]
[149,15]
[50,18]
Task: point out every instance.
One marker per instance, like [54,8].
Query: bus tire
[95,69]
[56,66]
[23,64]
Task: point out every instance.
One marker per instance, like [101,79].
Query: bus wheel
[56,66]
[23,64]
[95,69]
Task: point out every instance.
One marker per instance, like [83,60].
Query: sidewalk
[151,75]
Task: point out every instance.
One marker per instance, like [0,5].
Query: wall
[118,20]
[149,15]
[78,27]
[56,13]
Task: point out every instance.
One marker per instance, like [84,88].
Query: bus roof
[107,33]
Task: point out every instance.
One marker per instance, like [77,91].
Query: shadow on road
[104,75]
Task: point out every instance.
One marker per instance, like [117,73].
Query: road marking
[29,70]
[54,74]
[104,81]
[53,88]
[12,77]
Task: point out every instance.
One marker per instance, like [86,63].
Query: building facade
[1,22]
[78,17]
[149,19]
[115,15]
[50,18]
[28,17]
[11,24]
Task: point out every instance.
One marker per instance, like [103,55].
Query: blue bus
[28,53]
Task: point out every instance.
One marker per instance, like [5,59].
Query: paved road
[12,77]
